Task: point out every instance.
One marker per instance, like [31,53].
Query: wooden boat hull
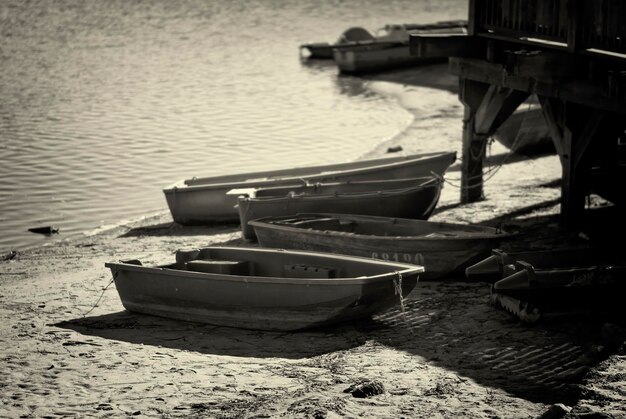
[276,293]
[376,57]
[319,50]
[526,132]
[402,201]
[442,248]
[204,200]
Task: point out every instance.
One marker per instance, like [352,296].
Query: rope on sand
[101,295]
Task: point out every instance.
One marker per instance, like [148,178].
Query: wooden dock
[572,55]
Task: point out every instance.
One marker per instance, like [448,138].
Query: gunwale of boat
[429,182]
[483,232]
[169,270]
[309,172]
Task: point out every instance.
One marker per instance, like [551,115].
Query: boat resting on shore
[405,198]
[392,49]
[204,200]
[391,35]
[266,289]
[442,248]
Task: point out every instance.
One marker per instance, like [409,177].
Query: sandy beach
[69,349]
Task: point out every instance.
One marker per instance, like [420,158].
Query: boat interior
[274,264]
[380,226]
[306,188]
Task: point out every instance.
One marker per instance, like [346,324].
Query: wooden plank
[438,46]
[573,26]
[583,92]
[588,132]
[497,105]
[472,94]
[473,152]
[472,17]
[552,114]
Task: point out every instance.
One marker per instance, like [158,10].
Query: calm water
[106,102]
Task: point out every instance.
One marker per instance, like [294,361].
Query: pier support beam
[573,127]
[486,108]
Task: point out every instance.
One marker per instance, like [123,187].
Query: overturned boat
[267,289]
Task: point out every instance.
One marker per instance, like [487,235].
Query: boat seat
[309,271]
[225,267]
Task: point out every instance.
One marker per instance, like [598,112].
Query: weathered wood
[472,94]
[580,128]
[583,92]
[552,112]
[574,23]
[471,21]
[589,130]
[438,46]
[497,105]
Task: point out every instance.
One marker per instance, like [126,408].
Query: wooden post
[471,93]
[573,127]
[486,108]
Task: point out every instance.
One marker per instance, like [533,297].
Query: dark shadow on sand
[156,331]
[452,325]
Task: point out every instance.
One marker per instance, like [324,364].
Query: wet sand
[69,349]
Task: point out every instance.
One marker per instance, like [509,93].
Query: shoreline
[64,331]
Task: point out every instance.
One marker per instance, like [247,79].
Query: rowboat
[405,198]
[392,49]
[501,264]
[442,248]
[266,289]
[526,132]
[389,35]
[205,200]
[324,50]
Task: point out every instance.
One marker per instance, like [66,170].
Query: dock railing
[593,26]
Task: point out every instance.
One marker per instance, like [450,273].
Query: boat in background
[404,198]
[266,289]
[391,49]
[526,131]
[442,248]
[324,50]
[204,200]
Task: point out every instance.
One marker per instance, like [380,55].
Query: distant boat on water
[359,51]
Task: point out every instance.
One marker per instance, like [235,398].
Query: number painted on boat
[415,258]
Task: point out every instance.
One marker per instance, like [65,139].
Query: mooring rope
[101,295]
[398,290]
[491,172]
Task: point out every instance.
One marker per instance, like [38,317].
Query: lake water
[104,103]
